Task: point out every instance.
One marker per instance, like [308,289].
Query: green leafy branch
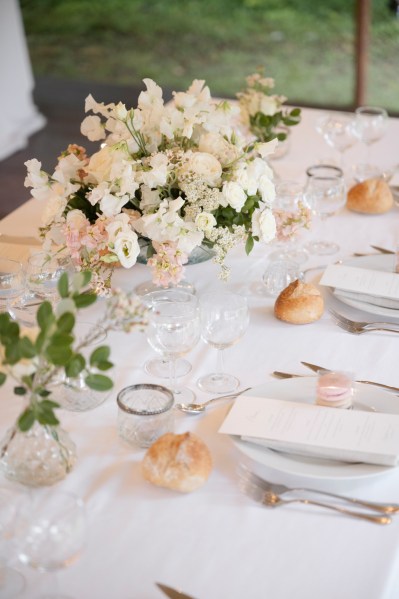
[264,126]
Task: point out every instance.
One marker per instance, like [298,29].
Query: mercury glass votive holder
[145,413]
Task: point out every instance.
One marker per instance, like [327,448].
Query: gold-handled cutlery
[269,498]
[279,489]
[171,592]
[382,250]
[316,368]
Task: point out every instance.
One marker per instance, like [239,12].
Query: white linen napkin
[375,300]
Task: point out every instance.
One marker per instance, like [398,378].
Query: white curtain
[19,117]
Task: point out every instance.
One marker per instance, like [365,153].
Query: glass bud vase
[41,456]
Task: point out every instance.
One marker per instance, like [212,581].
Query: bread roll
[299,303]
[372,196]
[179,462]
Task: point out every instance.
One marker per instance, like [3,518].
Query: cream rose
[234,195]
[218,146]
[263,224]
[100,164]
[204,166]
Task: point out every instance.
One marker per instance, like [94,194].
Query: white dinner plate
[383,262]
[304,389]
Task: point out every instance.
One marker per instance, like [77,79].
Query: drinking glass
[325,194]
[11,282]
[224,320]
[338,131]
[11,581]
[42,273]
[370,125]
[160,367]
[52,532]
[173,330]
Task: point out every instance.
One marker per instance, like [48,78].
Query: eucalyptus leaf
[66,322]
[63,285]
[99,382]
[26,420]
[19,390]
[104,365]
[249,244]
[84,299]
[100,354]
[3,378]
[27,348]
[45,315]
[58,354]
[75,366]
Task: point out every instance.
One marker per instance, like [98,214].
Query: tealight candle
[335,390]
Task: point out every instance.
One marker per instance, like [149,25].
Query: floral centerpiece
[36,450]
[170,176]
[262,112]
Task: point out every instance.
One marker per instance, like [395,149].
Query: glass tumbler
[145,413]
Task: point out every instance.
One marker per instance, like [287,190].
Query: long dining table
[216,542]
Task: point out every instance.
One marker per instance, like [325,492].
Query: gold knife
[382,250]
[172,593]
[316,368]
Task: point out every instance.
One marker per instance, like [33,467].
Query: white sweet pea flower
[120,112]
[151,97]
[263,224]
[111,204]
[53,210]
[97,193]
[269,105]
[101,163]
[126,247]
[158,174]
[98,107]
[92,128]
[205,221]
[266,148]
[35,178]
[150,199]
[234,195]
[67,169]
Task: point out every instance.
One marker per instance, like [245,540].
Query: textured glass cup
[370,125]
[11,282]
[145,413]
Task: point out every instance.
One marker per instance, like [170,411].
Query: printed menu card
[362,280]
[308,429]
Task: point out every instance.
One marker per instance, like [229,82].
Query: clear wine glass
[42,273]
[160,367]
[173,330]
[11,282]
[12,582]
[370,125]
[52,533]
[325,194]
[339,132]
[224,320]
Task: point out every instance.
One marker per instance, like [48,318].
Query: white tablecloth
[216,543]
[19,117]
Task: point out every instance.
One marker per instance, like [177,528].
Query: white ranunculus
[92,128]
[267,189]
[234,195]
[203,166]
[263,224]
[126,247]
[218,146]
[205,221]
[76,220]
[111,204]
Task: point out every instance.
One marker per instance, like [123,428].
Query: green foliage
[53,351]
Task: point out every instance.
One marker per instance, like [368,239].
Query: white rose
[269,105]
[76,220]
[126,247]
[205,221]
[204,166]
[216,144]
[263,224]
[234,195]
[267,189]
[92,128]
[111,205]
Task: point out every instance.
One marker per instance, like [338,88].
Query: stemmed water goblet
[224,320]
[325,194]
[11,282]
[52,533]
[173,330]
[42,273]
[339,132]
[370,125]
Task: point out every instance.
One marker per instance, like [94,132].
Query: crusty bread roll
[299,303]
[179,462]
[372,196]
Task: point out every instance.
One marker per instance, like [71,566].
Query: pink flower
[167,264]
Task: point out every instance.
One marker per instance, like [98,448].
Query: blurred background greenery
[307,46]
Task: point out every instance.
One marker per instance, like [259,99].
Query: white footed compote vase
[325,194]
[224,320]
[173,330]
[52,533]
